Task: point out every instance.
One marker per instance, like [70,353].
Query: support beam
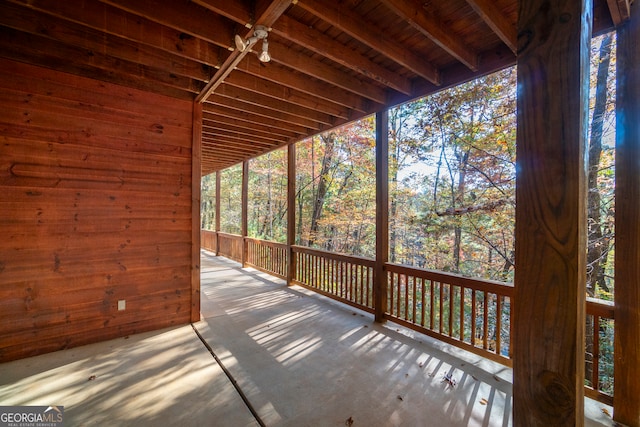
[291,211]
[382,214]
[196,173]
[550,278]
[245,207]
[435,30]
[218,176]
[351,23]
[626,409]
[497,21]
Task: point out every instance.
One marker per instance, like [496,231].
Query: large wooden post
[382,214]
[217,226]
[196,176]
[245,208]
[626,401]
[291,212]
[550,276]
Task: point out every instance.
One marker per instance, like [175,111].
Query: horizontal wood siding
[96,207]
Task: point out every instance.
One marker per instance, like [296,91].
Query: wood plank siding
[96,207]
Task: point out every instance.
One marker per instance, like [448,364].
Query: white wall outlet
[122,304]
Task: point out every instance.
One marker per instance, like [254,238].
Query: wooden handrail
[492,286]
[368,262]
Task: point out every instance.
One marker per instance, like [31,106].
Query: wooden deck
[298,358]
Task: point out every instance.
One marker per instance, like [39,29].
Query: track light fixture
[259,33]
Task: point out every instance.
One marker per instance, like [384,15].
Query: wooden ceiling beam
[123,24]
[315,41]
[315,68]
[237,136]
[293,96]
[260,100]
[272,9]
[497,21]
[620,10]
[245,116]
[47,53]
[186,17]
[72,34]
[279,75]
[233,145]
[351,23]
[266,113]
[327,47]
[233,10]
[215,126]
[210,119]
[434,29]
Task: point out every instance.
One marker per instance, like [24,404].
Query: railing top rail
[601,308]
[230,235]
[267,242]
[367,262]
[493,286]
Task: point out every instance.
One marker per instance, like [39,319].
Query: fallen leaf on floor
[606,412]
[483,401]
[92,377]
[349,421]
[400,398]
[420,365]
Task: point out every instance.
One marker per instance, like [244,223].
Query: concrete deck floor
[297,358]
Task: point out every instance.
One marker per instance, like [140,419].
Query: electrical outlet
[122,304]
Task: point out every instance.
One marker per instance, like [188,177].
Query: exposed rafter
[431,27]
[352,24]
[266,18]
[497,21]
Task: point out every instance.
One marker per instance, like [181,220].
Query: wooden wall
[95,207]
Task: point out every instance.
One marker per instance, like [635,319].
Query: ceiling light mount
[260,32]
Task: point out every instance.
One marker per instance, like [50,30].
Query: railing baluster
[405,282]
[398,291]
[498,323]
[431,306]
[473,317]
[595,369]
[485,322]
[451,299]
[441,306]
[414,299]
[462,290]
[422,307]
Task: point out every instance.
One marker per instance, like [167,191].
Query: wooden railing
[346,278]
[209,240]
[270,257]
[471,314]
[600,318]
[468,313]
[230,246]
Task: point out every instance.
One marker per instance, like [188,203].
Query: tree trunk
[318,202]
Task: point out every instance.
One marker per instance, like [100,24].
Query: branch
[491,206]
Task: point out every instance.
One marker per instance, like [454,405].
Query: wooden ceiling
[332,62]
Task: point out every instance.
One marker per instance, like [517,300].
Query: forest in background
[451,182]
[452,172]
